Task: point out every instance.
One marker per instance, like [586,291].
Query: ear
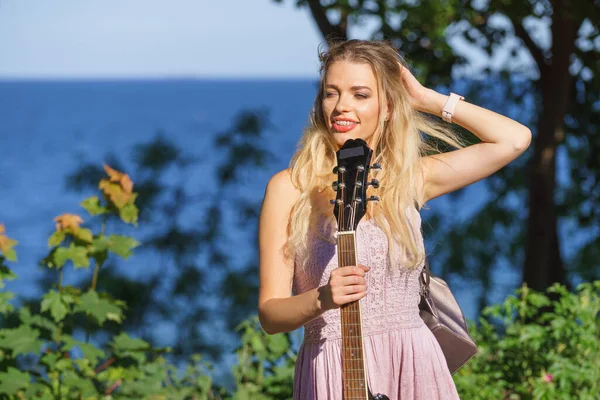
[388,110]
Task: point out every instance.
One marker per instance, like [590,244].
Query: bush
[48,354]
[537,346]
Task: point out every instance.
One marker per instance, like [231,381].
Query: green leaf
[101,309]
[11,255]
[56,238]
[21,340]
[92,205]
[77,383]
[122,245]
[99,243]
[79,256]
[125,346]
[129,213]
[99,249]
[5,306]
[13,380]
[5,272]
[278,344]
[84,234]
[61,255]
[89,351]
[124,342]
[58,304]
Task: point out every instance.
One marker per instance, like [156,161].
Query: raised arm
[502,140]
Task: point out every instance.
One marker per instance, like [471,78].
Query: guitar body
[353,160]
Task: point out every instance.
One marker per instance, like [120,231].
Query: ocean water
[48,129]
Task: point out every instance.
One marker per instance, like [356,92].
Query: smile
[344,126]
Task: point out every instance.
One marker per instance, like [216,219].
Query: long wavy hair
[398,145]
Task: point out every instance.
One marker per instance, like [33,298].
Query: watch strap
[448,109]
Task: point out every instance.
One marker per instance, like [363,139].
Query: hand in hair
[346,284]
[418,93]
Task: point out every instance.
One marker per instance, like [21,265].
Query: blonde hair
[398,149]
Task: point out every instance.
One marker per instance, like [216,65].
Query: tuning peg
[339,169]
[373,198]
[374,183]
[338,201]
[375,167]
[336,185]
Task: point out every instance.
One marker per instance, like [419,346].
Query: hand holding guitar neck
[346,284]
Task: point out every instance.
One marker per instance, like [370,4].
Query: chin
[341,137]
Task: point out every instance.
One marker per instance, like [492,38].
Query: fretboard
[353,362]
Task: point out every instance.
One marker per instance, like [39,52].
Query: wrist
[319,300]
[432,103]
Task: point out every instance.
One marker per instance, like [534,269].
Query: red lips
[346,126]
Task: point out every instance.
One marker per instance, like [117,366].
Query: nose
[343,104]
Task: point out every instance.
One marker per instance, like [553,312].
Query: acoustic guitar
[353,169]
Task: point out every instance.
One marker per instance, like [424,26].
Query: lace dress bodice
[392,290]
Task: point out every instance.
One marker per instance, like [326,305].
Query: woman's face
[351,101]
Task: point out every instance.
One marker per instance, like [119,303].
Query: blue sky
[166,39]
[156,38]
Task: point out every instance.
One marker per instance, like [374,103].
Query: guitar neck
[353,361]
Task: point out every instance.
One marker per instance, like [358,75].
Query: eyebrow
[352,88]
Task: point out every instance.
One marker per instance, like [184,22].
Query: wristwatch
[448,110]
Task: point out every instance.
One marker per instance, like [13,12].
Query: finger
[352,297]
[351,270]
[353,280]
[354,289]
[348,280]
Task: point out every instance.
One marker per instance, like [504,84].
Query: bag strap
[425,278]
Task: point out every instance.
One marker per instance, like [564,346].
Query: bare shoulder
[281,188]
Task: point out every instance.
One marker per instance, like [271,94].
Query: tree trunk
[543,259]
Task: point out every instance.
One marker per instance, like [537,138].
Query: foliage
[537,346]
[265,368]
[48,355]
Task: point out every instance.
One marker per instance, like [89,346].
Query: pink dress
[403,358]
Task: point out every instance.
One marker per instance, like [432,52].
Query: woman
[367,92]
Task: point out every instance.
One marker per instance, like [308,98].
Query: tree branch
[533,48]
[328,30]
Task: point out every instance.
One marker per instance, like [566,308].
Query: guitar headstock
[353,169]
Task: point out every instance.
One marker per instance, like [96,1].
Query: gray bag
[441,313]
